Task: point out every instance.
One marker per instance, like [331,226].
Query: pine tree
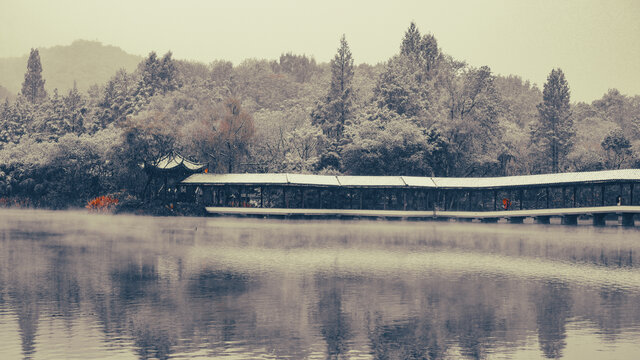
[554,132]
[33,85]
[411,42]
[332,114]
[423,50]
[74,103]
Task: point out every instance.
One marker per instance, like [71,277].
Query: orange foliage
[102,203]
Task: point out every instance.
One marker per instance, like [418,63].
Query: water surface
[77,286]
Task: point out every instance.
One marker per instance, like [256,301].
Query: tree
[399,88]
[617,148]
[381,142]
[299,66]
[302,146]
[234,132]
[471,128]
[422,50]
[554,131]
[337,107]
[75,110]
[33,85]
[411,41]
[157,76]
[223,133]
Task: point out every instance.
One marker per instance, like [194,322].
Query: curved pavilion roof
[174,161]
[627,175]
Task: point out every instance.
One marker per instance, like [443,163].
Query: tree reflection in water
[169,299]
[333,321]
[553,308]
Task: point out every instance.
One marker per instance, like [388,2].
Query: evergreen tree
[554,131]
[158,75]
[75,109]
[422,50]
[411,41]
[33,85]
[332,114]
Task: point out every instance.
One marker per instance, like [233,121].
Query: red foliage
[102,203]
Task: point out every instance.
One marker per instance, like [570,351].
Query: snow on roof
[373,181]
[416,181]
[419,181]
[305,179]
[271,179]
[174,160]
[537,180]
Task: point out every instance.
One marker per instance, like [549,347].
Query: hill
[6,94]
[86,62]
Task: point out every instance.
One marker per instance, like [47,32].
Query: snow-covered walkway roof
[632,175]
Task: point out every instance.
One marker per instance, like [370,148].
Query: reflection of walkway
[379,261]
[569,215]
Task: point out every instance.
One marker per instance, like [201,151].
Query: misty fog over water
[75,285]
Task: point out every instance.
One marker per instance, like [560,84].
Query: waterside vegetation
[420,113]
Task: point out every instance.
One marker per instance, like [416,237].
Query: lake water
[78,286]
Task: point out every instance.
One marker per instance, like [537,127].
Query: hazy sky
[596,43]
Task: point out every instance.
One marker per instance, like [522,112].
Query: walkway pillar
[627,219]
[516,220]
[570,220]
[542,219]
[598,219]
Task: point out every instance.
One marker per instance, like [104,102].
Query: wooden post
[574,196]
[495,204]
[631,194]
[303,193]
[564,197]
[620,194]
[602,195]
[547,196]
[361,197]
[444,200]
[521,195]
[350,194]
[261,196]
[284,197]
[404,199]
[593,195]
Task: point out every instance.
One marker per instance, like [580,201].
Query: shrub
[102,203]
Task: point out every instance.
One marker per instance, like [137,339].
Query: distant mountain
[6,94]
[86,62]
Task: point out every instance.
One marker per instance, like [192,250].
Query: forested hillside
[422,113]
[84,62]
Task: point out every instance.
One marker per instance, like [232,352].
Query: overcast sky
[596,43]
